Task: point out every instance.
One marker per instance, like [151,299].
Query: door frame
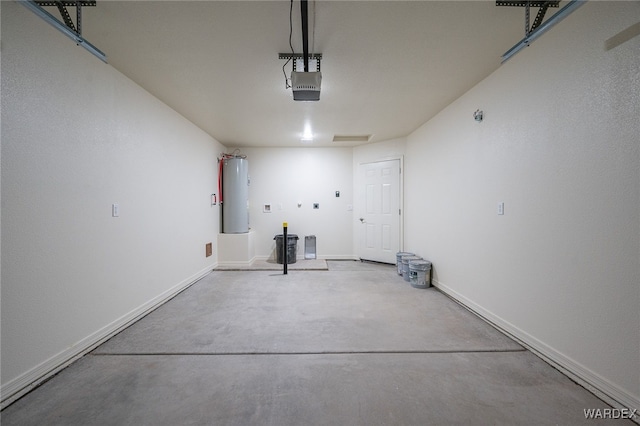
[357,201]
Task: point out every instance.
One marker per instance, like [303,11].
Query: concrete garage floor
[354,345]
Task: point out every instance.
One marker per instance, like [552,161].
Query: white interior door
[379,211]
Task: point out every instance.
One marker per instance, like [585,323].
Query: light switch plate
[501,208]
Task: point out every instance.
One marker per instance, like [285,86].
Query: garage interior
[352,345]
[123,301]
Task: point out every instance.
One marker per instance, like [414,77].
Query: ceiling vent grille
[352,138]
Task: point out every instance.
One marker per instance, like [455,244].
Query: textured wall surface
[559,146]
[77,136]
[284,177]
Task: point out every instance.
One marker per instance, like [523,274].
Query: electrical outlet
[501,208]
[115,210]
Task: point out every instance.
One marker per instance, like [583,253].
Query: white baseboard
[325,257]
[339,257]
[298,257]
[24,383]
[235,263]
[598,385]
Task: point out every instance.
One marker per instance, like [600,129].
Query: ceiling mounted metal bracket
[74,32]
[64,13]
[540,15]
[312,56]
[543,6]
[538,28]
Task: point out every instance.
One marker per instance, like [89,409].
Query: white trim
[356,179]
[240,263]
[24,383]
[298,257]
[339,257]
[593,382]
[260,257]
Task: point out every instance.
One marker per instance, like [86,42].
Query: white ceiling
[388,66]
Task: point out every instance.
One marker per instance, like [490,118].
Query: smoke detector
[306,85]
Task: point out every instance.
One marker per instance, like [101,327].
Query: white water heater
[235,195]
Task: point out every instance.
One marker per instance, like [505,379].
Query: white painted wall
[283,177]
[78,136]
[379,151]
[560,147]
